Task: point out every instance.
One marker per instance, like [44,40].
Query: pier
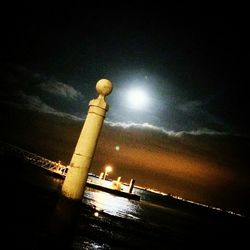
[58,170]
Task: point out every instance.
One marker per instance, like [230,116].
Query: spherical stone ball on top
[104,87]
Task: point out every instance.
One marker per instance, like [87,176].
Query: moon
[138,99]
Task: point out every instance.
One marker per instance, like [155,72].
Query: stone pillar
[76,178]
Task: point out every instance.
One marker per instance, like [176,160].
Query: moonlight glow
[137,99]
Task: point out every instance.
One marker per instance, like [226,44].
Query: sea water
[106,221]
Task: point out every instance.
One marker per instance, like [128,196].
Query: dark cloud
[35,103]
[23,88]
[61,89]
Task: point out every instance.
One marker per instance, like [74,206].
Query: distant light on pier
[108,169]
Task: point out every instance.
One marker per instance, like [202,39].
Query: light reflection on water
[112,204]
[89,244]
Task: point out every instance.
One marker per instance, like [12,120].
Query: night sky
[190,136]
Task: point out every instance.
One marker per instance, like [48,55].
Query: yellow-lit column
[76,178]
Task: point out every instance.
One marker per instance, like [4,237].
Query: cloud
[23,88]
[36,104]
[201,131]
[197,115]
[147,126]
[61,89]
[24,79]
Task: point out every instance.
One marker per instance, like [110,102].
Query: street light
[107,170]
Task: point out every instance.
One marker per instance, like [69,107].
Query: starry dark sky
[192,137]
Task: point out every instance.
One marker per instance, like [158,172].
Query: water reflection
[111,204]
